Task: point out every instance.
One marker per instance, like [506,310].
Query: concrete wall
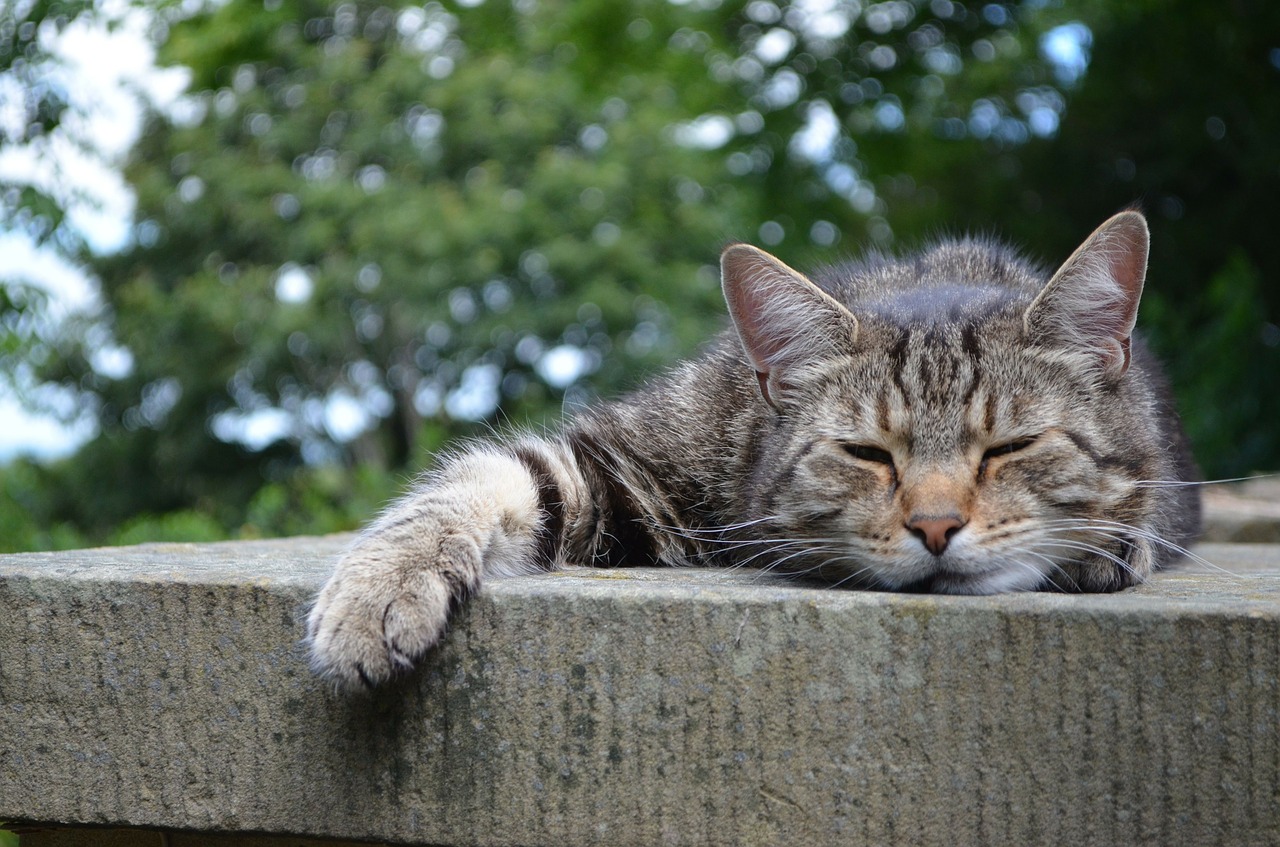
[165,687]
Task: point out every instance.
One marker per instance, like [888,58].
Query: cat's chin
[994,581]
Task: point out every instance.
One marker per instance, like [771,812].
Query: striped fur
[953,421]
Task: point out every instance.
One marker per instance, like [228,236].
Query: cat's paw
[1133,565]
[380,613]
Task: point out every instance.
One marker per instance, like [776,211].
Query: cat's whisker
[828,562]
[1111,529]
[773,542]
[722,541]
[803,551]
[1089,547]
[1048,560]
[827,551]
[858,574]
[770,550]
[1095,550]
[1176,483]
[691,532]
[792,547]
[1056,540]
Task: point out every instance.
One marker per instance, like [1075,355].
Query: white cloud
[293,284]
[256,430]
[707,132]
[69,288]
[38,436]
[816,139]
[561,366]
[1067,47]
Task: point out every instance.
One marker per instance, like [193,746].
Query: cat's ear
[1091,303]
[785,322]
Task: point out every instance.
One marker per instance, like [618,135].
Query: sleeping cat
[949,421]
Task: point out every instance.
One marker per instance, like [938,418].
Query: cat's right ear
[785,322]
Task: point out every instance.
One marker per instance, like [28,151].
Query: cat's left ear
[1091,304]
[785,322]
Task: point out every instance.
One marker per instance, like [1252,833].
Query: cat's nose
[935,531]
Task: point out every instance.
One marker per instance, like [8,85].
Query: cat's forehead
[935,305]
[952,281]
[936,383]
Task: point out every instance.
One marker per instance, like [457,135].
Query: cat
[954,421]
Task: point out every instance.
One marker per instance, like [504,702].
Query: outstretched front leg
[493,509]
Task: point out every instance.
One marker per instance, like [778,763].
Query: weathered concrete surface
[62,836]
[165,687]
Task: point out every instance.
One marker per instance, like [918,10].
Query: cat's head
[953,421]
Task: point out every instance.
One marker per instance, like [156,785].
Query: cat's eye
[1004,450]
[869,454]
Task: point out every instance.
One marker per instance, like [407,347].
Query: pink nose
[933,531]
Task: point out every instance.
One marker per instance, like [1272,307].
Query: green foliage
[318,501]
[179,525]
[409,208]
[311,501]
[433,228]
[26,521]
[418,210]
[8,839]
[1223,389]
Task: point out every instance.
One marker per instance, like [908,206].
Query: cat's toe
[346,640]
[413,622]
[364,630]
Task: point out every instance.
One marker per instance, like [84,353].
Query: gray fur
[1024,453]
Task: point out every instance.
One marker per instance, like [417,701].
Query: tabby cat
[949,421]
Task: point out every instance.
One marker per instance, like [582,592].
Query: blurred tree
[51,147]
[31,111]
[374,227]
[32,105]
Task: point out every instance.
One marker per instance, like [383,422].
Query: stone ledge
[1243,512]
[164,687]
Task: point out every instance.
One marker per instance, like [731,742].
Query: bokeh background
[354,231]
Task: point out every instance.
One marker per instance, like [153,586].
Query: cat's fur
[948,421]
